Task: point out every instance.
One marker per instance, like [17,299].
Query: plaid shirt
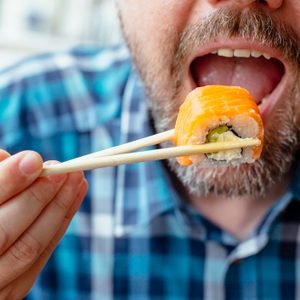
[134,236]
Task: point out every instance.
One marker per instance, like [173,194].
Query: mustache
[253,25]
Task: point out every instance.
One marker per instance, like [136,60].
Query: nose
[273,4]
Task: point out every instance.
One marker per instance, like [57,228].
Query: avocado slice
[223,134]
[213,135]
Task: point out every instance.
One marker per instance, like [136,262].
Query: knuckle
[26,249]
[62,203]
[4,188]
[11,294]
[50,247]
[12,178]
[11,183]
[65,197]
[4,238]
[42,191]
[34,194]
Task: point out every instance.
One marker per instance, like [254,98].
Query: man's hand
[34,214]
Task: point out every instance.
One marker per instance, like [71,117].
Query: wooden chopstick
[128,147]
[129,158]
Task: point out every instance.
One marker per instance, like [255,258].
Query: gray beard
[281,139]
[280,144]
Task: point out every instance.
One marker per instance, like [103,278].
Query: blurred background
[35,26]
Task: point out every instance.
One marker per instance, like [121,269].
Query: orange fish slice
[209,107]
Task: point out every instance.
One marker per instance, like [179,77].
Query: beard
[256,179]
[165,84]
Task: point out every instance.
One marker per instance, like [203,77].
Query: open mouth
[258,72]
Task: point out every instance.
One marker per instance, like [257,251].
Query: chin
[229,47]
[255,179]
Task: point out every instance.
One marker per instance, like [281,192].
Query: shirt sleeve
[59,93]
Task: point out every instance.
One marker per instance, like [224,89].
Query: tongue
[258,75]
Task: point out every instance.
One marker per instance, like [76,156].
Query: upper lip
[238,43]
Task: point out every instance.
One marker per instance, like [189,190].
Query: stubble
[163,78]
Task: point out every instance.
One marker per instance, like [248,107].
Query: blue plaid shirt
[134,236]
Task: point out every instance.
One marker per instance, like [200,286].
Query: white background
[34,26]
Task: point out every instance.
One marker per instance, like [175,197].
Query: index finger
[17,172]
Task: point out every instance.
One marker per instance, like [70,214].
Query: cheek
[297,109]
[151,24]
[291,13]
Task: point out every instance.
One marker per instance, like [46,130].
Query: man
[153,230]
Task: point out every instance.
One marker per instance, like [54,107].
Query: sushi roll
[217,113]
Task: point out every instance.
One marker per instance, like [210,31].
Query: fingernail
[55,178]
[29,164]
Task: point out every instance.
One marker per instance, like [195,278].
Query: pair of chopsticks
[120,154]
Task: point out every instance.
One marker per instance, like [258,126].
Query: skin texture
[28,204]
[167,36]
[163,52]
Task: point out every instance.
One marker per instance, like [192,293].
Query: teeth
[226,52]
[264,100]
[241,53]
[256,53]
[267,56]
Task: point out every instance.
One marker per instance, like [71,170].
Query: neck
[238,215]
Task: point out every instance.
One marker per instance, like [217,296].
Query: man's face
[179,45]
